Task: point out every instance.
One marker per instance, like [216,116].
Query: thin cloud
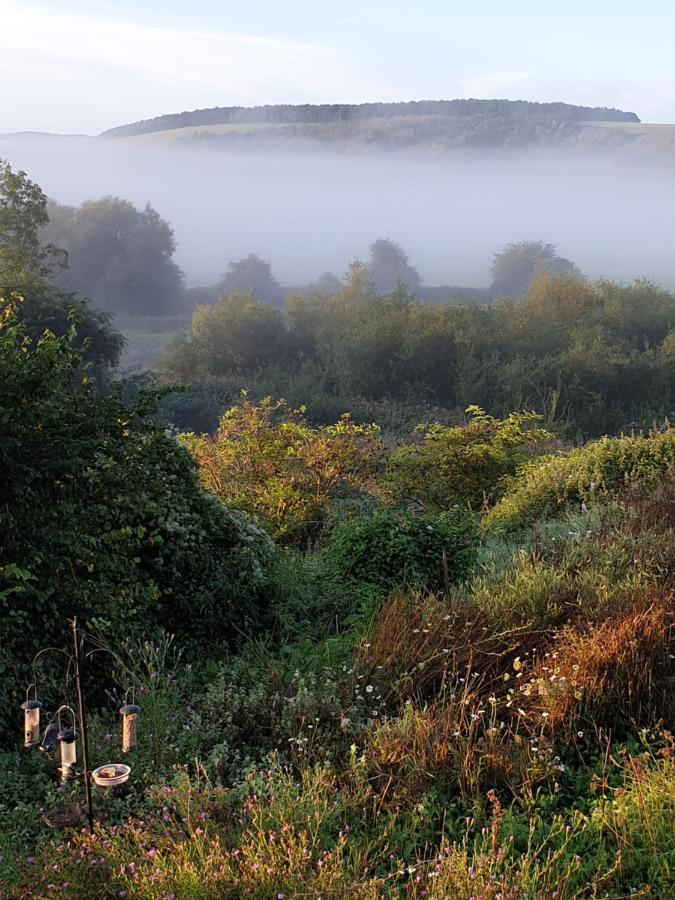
[347,20]
[491,84]
[69,71]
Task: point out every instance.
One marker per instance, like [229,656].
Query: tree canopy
[119,256]
[515,267]
[27,265]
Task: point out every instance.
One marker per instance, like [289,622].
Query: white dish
[111,774]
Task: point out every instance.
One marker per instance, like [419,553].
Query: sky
[81,66]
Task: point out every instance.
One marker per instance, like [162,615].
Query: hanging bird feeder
[31,722]
[67,747]
[129,715]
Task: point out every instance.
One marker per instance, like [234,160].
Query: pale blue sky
[85,65]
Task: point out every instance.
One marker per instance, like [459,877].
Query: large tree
[515,267]
[251,273]
[119,256]
[27,264]
[102,516]
[389,269]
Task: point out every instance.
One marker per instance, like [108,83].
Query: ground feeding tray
[63,817]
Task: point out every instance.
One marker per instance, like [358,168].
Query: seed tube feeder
[129,715]
[68,752]
[31,722]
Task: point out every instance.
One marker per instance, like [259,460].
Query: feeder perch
[129,715]
[31,722]
[111,775]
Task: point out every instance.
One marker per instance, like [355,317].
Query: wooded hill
[432,124]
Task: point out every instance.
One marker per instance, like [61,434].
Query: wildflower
[369,689]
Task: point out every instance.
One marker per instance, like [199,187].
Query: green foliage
[102,516]
[119,256]
[462,464]
[237,335]
[387,548]
[47,307]
[24,262]
[591,358]
[548,485]
[264,458]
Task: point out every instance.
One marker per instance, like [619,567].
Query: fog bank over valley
[310,212]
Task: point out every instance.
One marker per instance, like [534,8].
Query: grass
[509,738]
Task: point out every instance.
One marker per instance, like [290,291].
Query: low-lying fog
[310,213]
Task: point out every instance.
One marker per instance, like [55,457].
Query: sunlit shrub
[547,486]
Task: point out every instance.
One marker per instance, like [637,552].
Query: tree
[24,261]
[26,264]
[47,307]
[389,269]
[251,273]
[328,283]
[119,256]
[514,268]
[265,459]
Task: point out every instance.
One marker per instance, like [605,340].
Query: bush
[392,547]
[266,459]
[465,463]
[548,485]
[102,516]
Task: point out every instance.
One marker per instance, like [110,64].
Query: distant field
[146,338]
[189,131]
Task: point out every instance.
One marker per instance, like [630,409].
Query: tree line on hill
[516,111]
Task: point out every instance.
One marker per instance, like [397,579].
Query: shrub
[265,459]
[547,486]
[386,548]
[464,463]
[102,516]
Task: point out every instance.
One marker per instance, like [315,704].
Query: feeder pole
[83,725]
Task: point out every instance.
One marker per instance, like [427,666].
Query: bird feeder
[31,722]
[129,715]
[68,752]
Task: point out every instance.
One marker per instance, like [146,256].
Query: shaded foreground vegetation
[451,675]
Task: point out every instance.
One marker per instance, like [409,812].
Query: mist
[311,212]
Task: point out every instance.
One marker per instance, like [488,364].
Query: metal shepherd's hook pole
[83,725]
